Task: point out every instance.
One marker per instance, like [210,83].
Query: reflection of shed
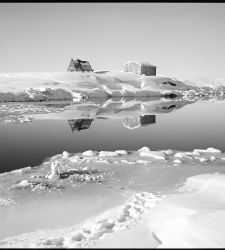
[80,124]
[136,122]
[79,65]
[147,119]
[140,68]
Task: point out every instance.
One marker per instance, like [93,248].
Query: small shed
[79,65]
[140,68]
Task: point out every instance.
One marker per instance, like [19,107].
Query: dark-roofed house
[79,65]
[140,68]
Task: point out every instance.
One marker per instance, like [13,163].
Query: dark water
[198,125]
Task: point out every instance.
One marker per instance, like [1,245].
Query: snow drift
[194,217]
[47,86]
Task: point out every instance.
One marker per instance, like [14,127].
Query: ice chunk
[74,159]
[121,152]
[101,160]
[154,154]
[212,158]
[54,170]
[208,150]
[144,149]
[203,159]
[23,183]
[88,153]
[182,155]
[213,150]
[168,152]
[127,162]
[107,153]
[143,162]
[177,161]
[65,154]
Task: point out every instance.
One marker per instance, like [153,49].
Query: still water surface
[198,125]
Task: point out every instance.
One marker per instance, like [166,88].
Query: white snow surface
[174,205]
[45,86]
[193,218]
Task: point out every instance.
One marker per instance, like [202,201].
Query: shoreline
[117,193]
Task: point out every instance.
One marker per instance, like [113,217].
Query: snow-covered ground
[161,198]
[45,86]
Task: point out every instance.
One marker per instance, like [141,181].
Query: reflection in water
[116,108]
[80,124]
[129,122]
[170,107]
[136,122]
[50,133]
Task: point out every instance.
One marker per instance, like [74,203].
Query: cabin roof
[141,63]
[80,61]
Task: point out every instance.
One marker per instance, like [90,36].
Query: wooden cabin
[140,68]
[79,65]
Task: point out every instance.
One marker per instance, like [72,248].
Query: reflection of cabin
[136,122]
[147,119]
[79,65]
[80,124]
[140,68]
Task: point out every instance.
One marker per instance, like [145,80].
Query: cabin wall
[148,71]
[71,67]
[86,67]
[132,67]
[140,69]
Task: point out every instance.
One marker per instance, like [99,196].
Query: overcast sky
[183,40]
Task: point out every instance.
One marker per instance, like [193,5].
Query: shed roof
[141,63]
[80,61]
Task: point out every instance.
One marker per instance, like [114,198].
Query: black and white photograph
[112,125]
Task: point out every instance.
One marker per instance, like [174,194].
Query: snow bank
[74,85]
[195,217]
